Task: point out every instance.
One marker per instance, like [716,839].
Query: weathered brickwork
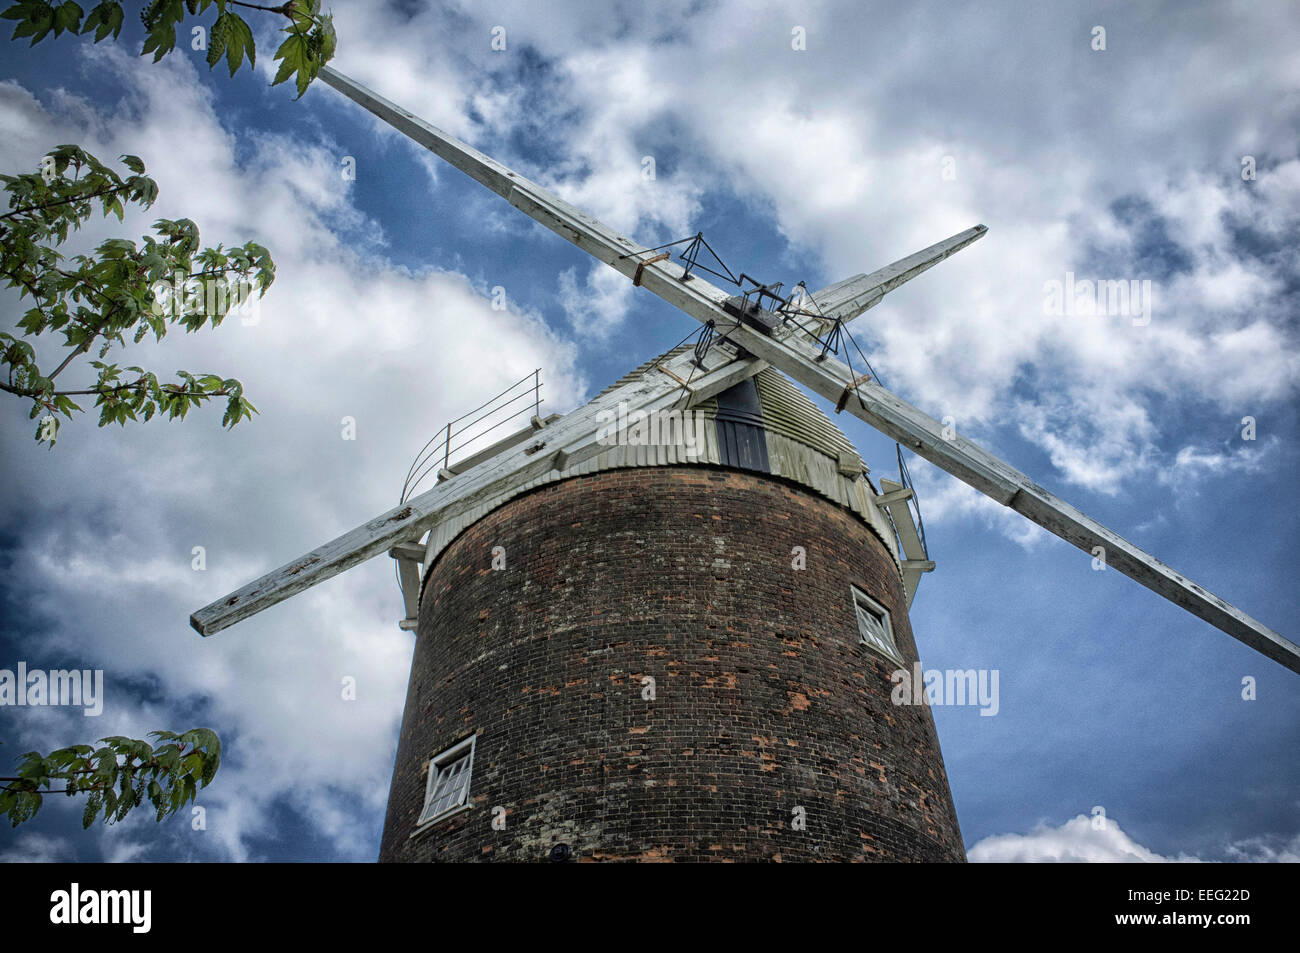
[764,699]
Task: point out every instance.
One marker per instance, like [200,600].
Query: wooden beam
[412,551]
[894,496]
[408,573]
[912,554]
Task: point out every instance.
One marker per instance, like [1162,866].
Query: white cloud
[597,304]
[946,499]
[1080,841]
[1265,850]
[1076,841]
[31,847]
[1097,450]
[126,852]
[1193,462]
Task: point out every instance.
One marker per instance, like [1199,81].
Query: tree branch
[286,8]
[75,198]
[173,389]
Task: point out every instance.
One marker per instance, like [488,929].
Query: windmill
[589,774]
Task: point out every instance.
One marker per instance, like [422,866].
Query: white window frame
[863,602]
[440,761]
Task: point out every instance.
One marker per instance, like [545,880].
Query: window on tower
[874,628]
[447,790]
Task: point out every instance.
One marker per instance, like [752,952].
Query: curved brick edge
[764,699]
[898,566]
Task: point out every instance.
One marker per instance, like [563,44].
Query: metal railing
[470,428]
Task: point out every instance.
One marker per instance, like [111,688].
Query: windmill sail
[851,297]
[765,337]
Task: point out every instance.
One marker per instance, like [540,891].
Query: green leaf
[35,18]
[115,17]
[104,19]
[240,44]
[217,38]
[67,17]
[329,39]
[293,53]
[160,18]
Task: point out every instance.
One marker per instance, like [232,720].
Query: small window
[874,627]
[447,790]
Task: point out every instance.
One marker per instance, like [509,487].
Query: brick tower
[663,656]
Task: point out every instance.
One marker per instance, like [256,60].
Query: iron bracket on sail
[640,267]
[752,314]
[848,391]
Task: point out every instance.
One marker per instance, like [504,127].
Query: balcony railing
[469,431]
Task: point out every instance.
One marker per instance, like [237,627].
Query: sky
[893,127]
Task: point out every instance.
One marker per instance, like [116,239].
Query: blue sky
[798,165]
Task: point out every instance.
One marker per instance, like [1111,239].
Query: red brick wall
[765,700]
